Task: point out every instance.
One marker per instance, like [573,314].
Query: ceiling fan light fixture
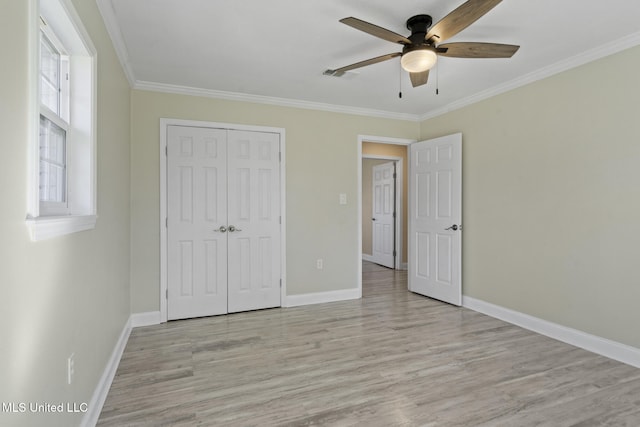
[418,60]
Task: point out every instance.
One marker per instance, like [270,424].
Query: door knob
[454,227]
[373,219]
[222,229]
[232,228]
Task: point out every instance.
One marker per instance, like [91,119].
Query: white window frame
[59,117]
[59,21]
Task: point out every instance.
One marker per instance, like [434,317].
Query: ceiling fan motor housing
[418,25]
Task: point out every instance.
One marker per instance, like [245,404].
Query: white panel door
[223,235]
[196,208]
[254,220]
[435,215]
[383,228]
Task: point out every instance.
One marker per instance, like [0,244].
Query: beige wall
[68,294]
[392,150]
[367,203]
[321,162]
[551,197]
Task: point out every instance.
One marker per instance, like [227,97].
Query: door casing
[164,123]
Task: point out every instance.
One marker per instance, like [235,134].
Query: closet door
[197,209]
[223,206]
[254,220]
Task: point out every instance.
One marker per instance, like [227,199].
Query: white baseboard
[367,257]
[90,418]
[602,346]
[145,319]
[322,297]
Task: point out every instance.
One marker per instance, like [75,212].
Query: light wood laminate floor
[392,358]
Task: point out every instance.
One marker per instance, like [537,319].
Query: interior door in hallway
[435,215]
[383,229]
[223,231]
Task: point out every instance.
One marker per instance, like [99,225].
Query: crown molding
[270,100]
[113,29]
[109,17]
[608,49]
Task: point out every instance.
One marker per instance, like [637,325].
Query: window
[53,166]
[54,124]
[62,189]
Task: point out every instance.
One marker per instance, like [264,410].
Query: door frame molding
[378,140]
[164,124]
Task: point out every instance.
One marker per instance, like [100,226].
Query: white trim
[164,123]
[367,257]
[379,140]
[145,319]
[111,23]
[322,297]
[99,396]
[47,227]
[602,346]
[270,100]
[283,217]
[600,52]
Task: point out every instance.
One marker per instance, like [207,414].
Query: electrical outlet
[320,264]
[71,368]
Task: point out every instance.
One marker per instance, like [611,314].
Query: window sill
[47,227]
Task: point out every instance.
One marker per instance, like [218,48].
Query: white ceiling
[276,50]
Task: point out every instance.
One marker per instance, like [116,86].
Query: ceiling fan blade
[459,19]
[419,79]
[477,50]
[375,30]
[342,70]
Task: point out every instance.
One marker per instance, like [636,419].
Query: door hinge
[166,150]
[395,175]
[280,156]
[395,253]
[280,220]
[166,294]
[281,283]
[166,222]
[394,214]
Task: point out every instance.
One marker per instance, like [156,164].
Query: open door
[383,214]
[435,218]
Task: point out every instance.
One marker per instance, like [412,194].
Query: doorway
[383,149]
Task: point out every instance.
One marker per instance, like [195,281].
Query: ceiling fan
[422,47]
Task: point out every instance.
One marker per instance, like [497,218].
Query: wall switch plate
[320,264]
[343,198]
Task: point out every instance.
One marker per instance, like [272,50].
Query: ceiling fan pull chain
[437,79]
[400,82]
